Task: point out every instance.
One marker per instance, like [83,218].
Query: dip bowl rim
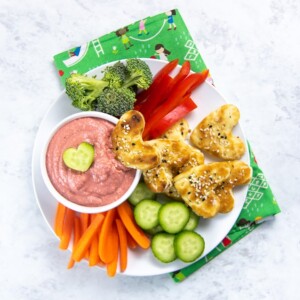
[61,199]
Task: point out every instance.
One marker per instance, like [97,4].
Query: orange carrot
[59,219]
[67,229]
[76,237]
[104,247]
[122,244]
[84,221]
[111,267]
[130,241]
[94,258]
[138,235]
[87,237]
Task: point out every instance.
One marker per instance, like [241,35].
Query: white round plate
[141,262]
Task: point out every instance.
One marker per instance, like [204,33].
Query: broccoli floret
[115,101]
[115,75]
[84,90]
[139,74]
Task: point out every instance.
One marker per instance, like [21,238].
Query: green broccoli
[139,74]
[115,101]
[84,90]
[115,74]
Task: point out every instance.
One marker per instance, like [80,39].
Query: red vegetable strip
[187,85]
[172,117]
[183,72]
[167,69]
[156,98]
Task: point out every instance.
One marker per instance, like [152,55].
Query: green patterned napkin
[165,36]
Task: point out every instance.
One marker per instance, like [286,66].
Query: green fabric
[165,36]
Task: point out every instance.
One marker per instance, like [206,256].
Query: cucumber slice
[173,216]
[146,214]
[79,159]
[163,247]
[188,245]
[141,192]
[155,230]
[192,222]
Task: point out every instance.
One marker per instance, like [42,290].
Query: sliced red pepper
[166,70]
[172,117]
[186,86]
[183,72]
[156,98]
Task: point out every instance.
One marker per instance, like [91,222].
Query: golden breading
[240,173]
[176,156]
[178,131]
[197,187]
[128,144]
[214,134]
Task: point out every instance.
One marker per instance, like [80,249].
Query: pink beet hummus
[105,181]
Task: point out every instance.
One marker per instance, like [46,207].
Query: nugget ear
[214,134]
[128,144]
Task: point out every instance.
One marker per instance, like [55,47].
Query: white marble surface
[252,49]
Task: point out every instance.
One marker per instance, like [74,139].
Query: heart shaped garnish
[79,159]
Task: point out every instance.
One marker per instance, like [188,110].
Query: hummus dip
[105,181]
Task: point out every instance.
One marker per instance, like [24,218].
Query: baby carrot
[67,229]
[76,237]
[59,219]
[113,245]
[87,237]
[137,234]
[122,244]
[104,236]
[94,258]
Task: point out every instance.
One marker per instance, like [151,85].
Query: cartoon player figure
[162,52]
[75,52]
[171,22]
[124,38]
[142,27]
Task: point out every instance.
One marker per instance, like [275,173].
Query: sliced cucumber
[188,245]
[146,214]
[155,230]
[173,216]
[163,247]
[141,192]
[192,222]
[79,159]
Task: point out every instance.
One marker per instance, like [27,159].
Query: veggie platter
[141,262]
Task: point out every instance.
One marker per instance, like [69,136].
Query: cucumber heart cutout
[79,159]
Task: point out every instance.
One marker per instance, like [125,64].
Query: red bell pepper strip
[186,86]
[166,70]
[159,95]
[156,97]
[172,117]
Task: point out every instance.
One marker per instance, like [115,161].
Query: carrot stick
[59,219]
[87,237]
[67,229]
[122,244]
[104,253]
[94,258]
[138,235]
[76,237]
[84,221]
[111,267]
[130,241]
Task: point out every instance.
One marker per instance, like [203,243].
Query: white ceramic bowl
[56,195]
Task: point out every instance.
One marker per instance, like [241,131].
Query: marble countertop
[252,49]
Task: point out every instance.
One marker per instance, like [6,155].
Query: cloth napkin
[166,37]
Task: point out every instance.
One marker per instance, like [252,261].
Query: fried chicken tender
[214,134]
